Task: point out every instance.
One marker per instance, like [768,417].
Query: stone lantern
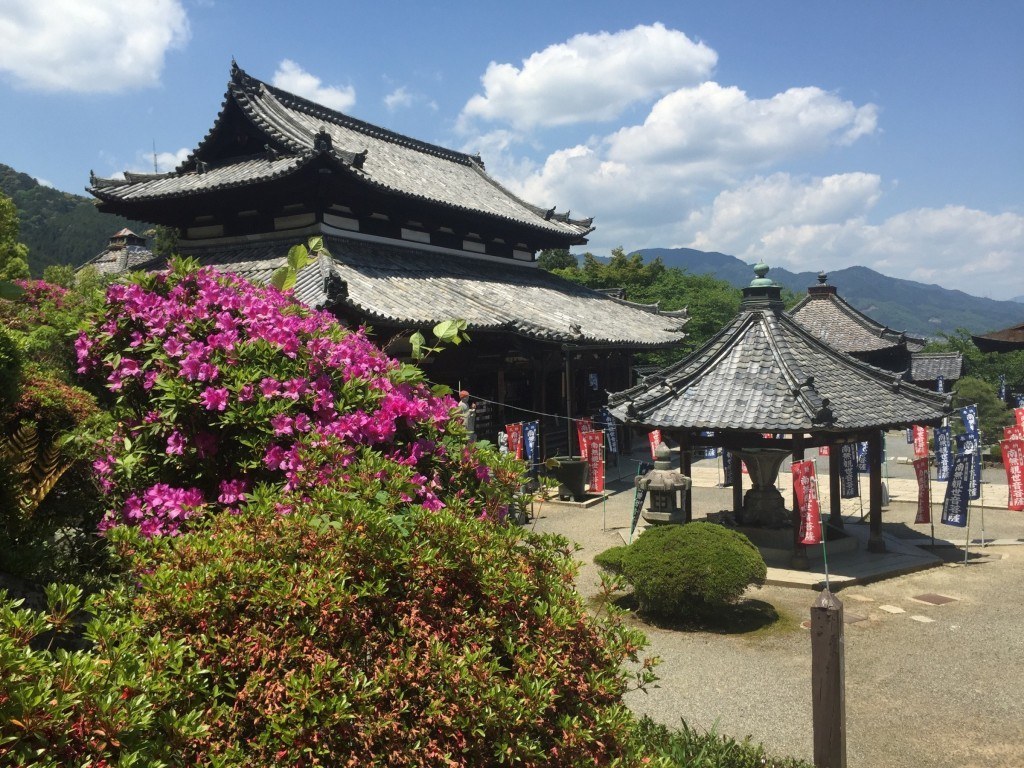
[666,489]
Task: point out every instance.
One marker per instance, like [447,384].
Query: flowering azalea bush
[220,386]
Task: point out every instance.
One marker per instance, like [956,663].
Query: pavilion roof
[835,321]
[765,372]
[285,132]
[410,286]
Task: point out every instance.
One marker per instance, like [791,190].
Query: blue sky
[813,135]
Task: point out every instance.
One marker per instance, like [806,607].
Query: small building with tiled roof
[836,322]
[125,252]
[766,387]
[937,371]
[1007,340]
[417,234]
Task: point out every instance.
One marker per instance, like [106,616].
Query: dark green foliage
[711,303]
[10,369]
[691,748]
[58,227]
[13,253]
[988,366]
[611,559]
[556,258]
[692,568]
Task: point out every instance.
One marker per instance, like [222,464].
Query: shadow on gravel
[741,618]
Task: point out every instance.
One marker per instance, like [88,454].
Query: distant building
[125,252]
[1007,340]
[418,234]
[836,322]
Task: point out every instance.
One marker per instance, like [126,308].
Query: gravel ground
[926,685]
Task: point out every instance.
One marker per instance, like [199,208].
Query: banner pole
[981,490]
[931,515]
[967,544]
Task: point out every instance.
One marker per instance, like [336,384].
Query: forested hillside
[58,227]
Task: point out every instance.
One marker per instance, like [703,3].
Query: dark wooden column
[737,488]
[875,541]
[685,468]
[799,559]
[835,516]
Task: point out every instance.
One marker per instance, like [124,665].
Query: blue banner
[862,457]
[530,429]
[910,435]
[969,448]
[639,495]
[611,434]
[954,506]
[943,452]
[727,468]
[940,383]
[1002,387]
[969,416]
[1020,401]
[849,474]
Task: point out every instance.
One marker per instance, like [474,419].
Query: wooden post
[828,682]
[875,541]
[737,488]
[835,495]
[685,468]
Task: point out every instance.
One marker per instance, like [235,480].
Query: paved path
[927,685]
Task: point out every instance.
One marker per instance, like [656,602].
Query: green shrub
[676,569]
[692,748]
[611,559]
[364,630]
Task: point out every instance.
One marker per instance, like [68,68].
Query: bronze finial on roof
[822,278]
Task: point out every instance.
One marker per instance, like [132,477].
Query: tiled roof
[395,285]
[128,258]
[928,366]
[296,130]
[765,372]
[836,322]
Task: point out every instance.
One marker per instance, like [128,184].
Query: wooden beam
[875,541]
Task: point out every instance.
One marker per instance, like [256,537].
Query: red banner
[920,441]
[1013,433]
[1013,461]
[515,439]
[924,500]
[654,436]
[1019,415]
[823,450]
[595,458]
[805,489]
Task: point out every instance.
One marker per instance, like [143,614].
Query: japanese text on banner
[805,488]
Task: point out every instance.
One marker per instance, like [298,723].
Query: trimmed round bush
[696,567]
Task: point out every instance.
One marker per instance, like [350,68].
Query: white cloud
[824,224]
[294,79]
[402,98]
[591,77]
[99,46]
[720,126]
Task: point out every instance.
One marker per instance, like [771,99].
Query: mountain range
[903,305]
[63,228]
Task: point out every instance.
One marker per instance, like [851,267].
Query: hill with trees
[906,305]
[58,227]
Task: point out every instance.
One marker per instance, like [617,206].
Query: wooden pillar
[737,488]
[828,682]
[835,516]
[569,425]
[684,468]
[799,559]
[875,541]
